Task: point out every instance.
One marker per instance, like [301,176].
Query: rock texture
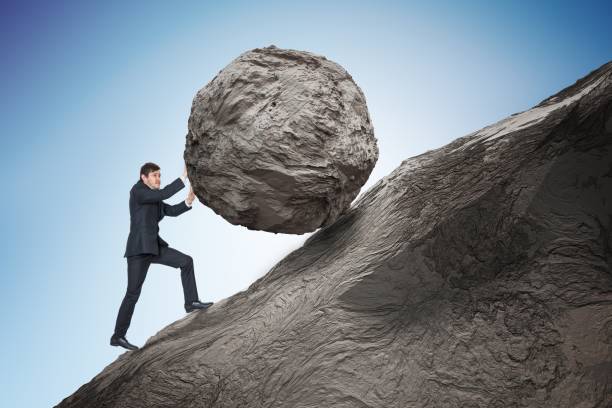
[478,274]
[280,141]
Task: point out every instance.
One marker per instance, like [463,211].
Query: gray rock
[478,274]
[280,141]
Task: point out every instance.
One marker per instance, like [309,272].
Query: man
[144,245]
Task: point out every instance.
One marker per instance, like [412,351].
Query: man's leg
[137,272]
[171,257]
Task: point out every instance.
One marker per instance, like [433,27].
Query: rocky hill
[478,274]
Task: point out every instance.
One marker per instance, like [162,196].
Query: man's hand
[184,175]
[190,196]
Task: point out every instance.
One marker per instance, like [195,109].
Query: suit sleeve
[175,210]
[147,195]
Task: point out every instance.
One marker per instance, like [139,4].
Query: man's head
[150,175]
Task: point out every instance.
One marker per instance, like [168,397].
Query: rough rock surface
[280,141]
[478,274]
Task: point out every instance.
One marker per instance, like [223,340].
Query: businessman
[144,245]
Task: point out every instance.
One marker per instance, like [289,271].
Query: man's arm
[177,209]
[147,195]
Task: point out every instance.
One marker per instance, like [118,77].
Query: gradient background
[91,92]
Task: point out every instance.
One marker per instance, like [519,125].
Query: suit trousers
[137,267]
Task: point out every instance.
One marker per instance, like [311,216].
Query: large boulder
[280,141]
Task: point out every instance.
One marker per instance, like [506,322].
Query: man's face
[152,179]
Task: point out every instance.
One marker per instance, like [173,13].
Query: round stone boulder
[280,140]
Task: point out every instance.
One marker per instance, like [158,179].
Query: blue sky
[92,91]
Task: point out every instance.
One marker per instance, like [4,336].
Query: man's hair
[148,168]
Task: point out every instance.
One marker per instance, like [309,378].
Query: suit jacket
[147,209]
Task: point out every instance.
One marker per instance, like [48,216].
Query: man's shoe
[122,341]
[197,305]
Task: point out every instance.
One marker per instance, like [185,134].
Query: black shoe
[197,305]
[122,341]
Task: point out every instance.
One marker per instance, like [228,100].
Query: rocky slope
[478,274]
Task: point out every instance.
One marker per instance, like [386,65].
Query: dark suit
[144,246]
[146,210]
